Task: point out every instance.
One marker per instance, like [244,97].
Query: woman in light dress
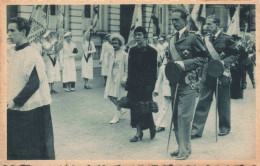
[51,60]
[117,75]
[87,58]
[68,53]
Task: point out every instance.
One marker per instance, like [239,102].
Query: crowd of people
[137,73]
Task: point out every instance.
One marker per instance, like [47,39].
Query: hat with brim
[160,39]
[46,34]
[67,34]
[173,72]
[215,68]
[119,37]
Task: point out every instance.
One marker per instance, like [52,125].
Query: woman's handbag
[124,102]
[148,106]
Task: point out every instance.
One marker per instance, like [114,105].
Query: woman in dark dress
[237,71]
[142,71]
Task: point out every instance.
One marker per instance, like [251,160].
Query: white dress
[87,67]
[52,69]
[118,68]
[107,50]
[68,62]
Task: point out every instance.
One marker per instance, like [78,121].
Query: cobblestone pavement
[82,130]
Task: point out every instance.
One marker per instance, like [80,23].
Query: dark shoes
[136,138]
[53,92]
[195,136]
[87,87]
[223,133]
[176,154]
[152,132]
[159,129]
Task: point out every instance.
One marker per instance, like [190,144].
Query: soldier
[250,49]
[188,51]
[221,47]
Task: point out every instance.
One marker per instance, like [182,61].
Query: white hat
[46,34]
[116,35]
[155,37]
[67,34]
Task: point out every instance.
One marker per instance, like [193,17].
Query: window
[87,10]
[53,10]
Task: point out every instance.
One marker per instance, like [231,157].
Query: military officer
[188,51]
[220,47]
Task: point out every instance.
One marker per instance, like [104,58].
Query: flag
[136,21]
[156,23]
[60,28]
[198,15]
[234,27]
[39,21]
[95,19]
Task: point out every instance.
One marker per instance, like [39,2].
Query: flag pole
[150,20]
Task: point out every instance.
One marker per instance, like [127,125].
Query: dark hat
[235,37]
[215,68]
[140,29]
[173,72]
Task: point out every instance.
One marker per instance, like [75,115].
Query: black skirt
[145,120]
[30,134]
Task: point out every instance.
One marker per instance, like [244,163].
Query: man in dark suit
[220,47]
[188,51]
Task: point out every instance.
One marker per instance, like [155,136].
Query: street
[82,130]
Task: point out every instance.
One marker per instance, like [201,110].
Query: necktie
[177,36]
[213,38]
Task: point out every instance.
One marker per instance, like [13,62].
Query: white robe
[68,62]
[107,50]
[53,72]
[87,67]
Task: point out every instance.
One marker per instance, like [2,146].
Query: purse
[148,106]
[125,102]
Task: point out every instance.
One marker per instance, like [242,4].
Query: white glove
[181,64]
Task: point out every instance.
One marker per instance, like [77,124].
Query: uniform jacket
[191,50]
[227,49]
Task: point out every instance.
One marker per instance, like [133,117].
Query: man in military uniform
[188,51]
[220,47]
[250,63]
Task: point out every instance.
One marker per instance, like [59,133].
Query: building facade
[118,18]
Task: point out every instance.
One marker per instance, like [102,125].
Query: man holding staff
[188,52]
[220,47]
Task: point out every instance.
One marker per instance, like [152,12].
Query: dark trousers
[203,107]
[182,118]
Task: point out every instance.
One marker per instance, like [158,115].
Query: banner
[234,27]
[39,21]
[60,28]
[198,15]
[136,21]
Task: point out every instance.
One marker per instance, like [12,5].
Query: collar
[182,31]
[17,48]
[218,32]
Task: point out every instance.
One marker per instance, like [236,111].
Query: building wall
[109,20]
